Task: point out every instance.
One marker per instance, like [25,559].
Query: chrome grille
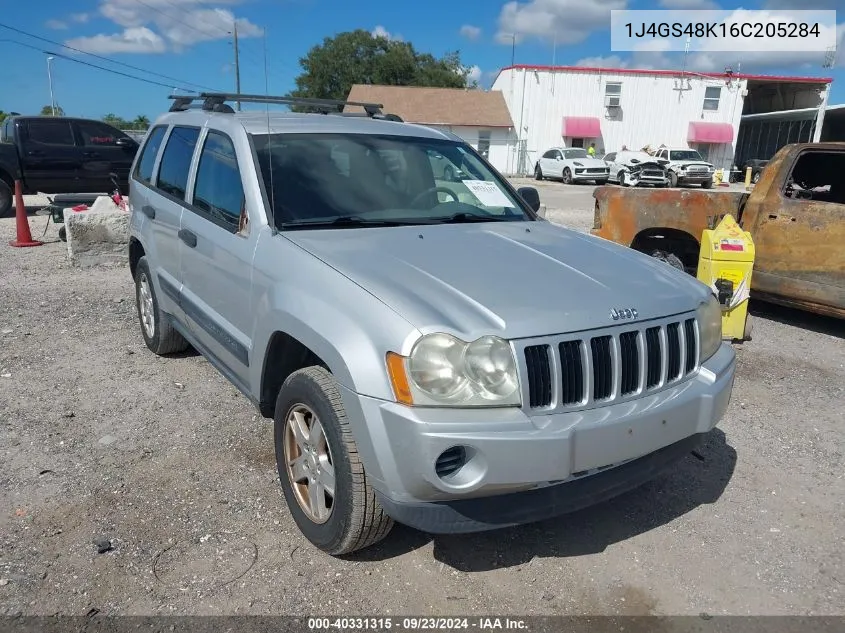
[621,363]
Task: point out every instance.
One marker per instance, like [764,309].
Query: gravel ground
[172,471]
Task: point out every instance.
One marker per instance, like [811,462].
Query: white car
[571,164]
[686,166]
[636,168]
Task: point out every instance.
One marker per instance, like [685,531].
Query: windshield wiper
[460,218]
[346,221]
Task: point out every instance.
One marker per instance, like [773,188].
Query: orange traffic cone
[24,234]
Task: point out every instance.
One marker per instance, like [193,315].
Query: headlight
[709,316]
[442,370]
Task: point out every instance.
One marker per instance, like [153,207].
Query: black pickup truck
[61,155]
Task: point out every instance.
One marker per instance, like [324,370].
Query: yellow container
[725,264]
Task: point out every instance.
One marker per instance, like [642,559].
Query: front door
[105,150]
[50,156]
[217,245]
[800,241]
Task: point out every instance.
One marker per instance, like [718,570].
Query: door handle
[188,237]
[149,211]
[91,154]
[35,152]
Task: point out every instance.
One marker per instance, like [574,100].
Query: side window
[610,157]
[46,132]
[817,176]
[176,160]
[98,134]
[711,97]
[144,169]
[547,154]
[218,191]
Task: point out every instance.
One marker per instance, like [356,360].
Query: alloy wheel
[309,464]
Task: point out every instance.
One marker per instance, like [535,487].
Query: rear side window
[176,161]
[51,132]
[144,170]
[218,192]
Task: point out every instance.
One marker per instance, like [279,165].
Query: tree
[141,122]
[48,111]
[357,57]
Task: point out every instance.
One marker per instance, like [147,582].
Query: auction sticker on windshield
[488,193]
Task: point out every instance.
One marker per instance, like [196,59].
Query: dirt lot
[102,440]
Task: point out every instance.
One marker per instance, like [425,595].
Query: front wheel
[673,179]
[538,173]
[707,184]
[756,178]
[321,474]
[6,200]
[669,258]
[623,180]
[566,177]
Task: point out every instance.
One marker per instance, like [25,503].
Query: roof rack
[216,102]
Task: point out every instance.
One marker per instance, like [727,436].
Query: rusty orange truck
[795,214]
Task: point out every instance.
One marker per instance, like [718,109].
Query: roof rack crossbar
[213,99]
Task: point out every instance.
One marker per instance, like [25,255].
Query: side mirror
[531,196]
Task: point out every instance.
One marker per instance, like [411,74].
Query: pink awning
[706,132]
[581,127]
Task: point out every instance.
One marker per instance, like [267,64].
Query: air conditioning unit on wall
[612,101]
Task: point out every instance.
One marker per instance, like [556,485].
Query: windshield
[360,180]
[686,154]
[575,153]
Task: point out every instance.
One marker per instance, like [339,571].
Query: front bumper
[585,175]
[522,468]
[695,178]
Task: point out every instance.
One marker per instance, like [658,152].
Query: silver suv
[431,351]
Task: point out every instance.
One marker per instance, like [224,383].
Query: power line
[112,61]
[117,72]
[173,17]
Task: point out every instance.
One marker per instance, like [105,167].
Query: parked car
[756,165]
[795,214]
[433,354]
[570,165]
[686,167]
[61,155]
[444,169]
[629,168]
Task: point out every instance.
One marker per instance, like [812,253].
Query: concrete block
[99,235]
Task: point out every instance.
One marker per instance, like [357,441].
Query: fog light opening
[450,461]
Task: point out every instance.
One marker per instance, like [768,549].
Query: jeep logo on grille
[623,313]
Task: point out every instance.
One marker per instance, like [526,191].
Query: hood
[589,162]
[513,279]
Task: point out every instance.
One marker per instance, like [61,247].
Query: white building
[479,117]
[575,106]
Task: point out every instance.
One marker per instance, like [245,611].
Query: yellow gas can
[725,264]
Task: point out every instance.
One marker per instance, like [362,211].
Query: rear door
[217,245]
[105,150]
[50,157]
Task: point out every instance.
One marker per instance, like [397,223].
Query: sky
[188,44]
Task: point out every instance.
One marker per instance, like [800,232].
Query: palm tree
[141,122]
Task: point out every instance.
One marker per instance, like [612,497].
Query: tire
[160,336]
[7,199]
[63,233]
[707,184]
[673,179]
[755,178]
[355,520]
[669,258]
[538,173]
[566,176]
[623,182]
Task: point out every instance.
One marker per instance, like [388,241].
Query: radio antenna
[269,146]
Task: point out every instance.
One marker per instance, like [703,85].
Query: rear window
[144,170]
[176,161]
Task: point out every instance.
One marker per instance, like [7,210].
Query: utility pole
[50,81]
[237,67]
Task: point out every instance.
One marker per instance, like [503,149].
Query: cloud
[160,25]
[473,74]
[138,39]
[565,21]
[791,4]
[56,25]
[691,4]
[380,31]
[470,32]
[609,61]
